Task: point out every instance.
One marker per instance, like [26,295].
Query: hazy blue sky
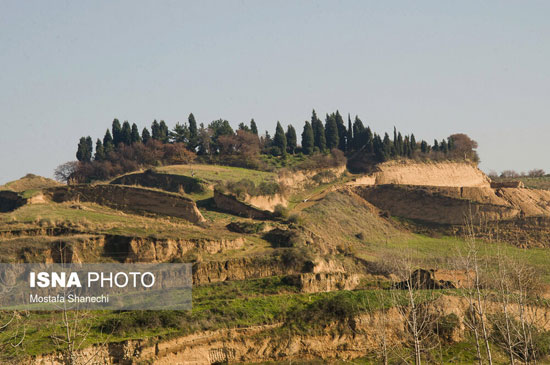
[67,68]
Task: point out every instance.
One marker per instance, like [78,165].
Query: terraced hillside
[328,276]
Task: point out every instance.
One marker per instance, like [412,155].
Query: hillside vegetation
[333,272]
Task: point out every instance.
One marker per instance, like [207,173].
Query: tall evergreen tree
[193,130]
[399,148]
[89,148]
[407,150]
[436,145]
[387,146]
[82,150]
[413,143]
[349,136]
[145,135]
[164,132]
[99,151]
[135,138]
[279,140]
[308,141]
[342,132]
[117,132]
[331,132]
[424,146]
[291,139]
[108,144]
[318,132]
[253,126]
[155,130]
[358,134]
[443,146]
[378,148]
[126,133]
[369,140]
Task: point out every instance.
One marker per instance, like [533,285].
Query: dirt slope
[458,174]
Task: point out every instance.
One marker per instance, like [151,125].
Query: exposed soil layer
[131,199]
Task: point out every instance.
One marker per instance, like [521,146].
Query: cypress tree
[155,130]
[89,148]
[145,135]
[135,137]
[117,133]
[378,148]
[399,147]
[126,134]
[436,145]
[369,140]
[291,140]
[413,143]
[387,146]
[407,151]
[108,145]
[99,151]
[193,131]
[81,150]
[318,132]
[164,132]
[358,134]
[308,141]
[331,132]
[342,132]
[424,146]
[253,126]
[349,136]
[443,146]
[279,140]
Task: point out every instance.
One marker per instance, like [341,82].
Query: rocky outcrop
[424,279]
[168,182]
[242,269]
[230,203]
[324,282]
[131,199]
[145,249]
[431,205]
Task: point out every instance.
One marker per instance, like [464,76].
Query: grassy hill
[326,268]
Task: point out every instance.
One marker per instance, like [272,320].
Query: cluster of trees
[124,147]
[515,174]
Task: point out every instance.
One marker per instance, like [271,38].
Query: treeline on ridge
[124,148]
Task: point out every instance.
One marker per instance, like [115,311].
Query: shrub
[280,211]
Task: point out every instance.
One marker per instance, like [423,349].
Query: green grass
[222,305]
[542,182]
[216,173]
[97,219]
[442,252]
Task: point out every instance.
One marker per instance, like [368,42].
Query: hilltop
[29,182]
